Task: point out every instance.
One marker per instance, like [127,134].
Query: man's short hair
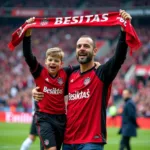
[129,90]
[87,36]
[55,52]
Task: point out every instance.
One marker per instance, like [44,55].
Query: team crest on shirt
[60,81]
[87,81]
[44,22]
[47,79]
[71,81]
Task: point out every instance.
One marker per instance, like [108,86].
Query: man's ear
[95,51]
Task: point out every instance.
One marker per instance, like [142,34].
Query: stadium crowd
[15,79]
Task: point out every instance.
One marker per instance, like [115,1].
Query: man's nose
[82,47]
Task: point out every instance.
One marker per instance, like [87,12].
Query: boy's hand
[36,94]
[29,31]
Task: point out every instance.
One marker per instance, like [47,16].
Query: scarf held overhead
[106,19]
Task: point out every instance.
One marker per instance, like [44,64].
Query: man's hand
[29,31]
[97,64]
[36,94]
[125,16]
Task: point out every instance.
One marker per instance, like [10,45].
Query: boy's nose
[53,62]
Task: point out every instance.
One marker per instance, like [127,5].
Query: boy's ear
[62,63]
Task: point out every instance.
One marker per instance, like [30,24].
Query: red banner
[18,117]
[27,12]
[15,117]
[142,70]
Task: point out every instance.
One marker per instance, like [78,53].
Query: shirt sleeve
[108,71]
[68,71]
[71,69]
[30,59]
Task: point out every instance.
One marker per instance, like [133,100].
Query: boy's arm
[30,59]
[27,51]
[70,69]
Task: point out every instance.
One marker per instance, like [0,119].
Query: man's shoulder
[131,102]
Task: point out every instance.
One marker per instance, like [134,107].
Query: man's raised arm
[112,66]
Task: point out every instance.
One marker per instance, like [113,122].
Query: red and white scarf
[106,19]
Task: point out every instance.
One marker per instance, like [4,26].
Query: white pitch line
[15,146]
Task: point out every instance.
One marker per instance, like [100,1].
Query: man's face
[53,64]
[85,50]
[126,94]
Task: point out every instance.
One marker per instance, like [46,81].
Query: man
[129,124]
[88,94]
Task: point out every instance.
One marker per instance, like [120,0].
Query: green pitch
[12,135]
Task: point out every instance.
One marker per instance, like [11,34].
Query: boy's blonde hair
[55,52]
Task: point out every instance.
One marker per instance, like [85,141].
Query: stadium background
[16,82]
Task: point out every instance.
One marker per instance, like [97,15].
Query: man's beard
[85,60]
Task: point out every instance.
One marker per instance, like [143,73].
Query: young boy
[50,111]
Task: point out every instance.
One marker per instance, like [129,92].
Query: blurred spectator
[129,124]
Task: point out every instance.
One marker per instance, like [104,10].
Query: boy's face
[53,64]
